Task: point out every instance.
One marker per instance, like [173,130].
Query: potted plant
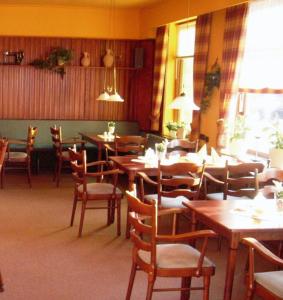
[111,127]
[172,127]
[182,130]
[276,152]
[60,56]
[237,145]
[160,150]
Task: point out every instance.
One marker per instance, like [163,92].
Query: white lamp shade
[184,102]
[103,96]
[116,97]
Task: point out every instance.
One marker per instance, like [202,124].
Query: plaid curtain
[234,35]
[161,51]
[203,26]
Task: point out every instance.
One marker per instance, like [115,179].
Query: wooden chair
[21,158]
[85,191]
[175,183]
[267,285]
[60,146]
[128,144]
[240,182]
[3,149]
[265,179]
[1,284]
[166,255]
[181,147]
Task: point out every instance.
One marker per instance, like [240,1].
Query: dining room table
[99,140]
[235,219]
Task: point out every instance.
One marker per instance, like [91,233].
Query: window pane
[262,111]
[186,75]
[186,39]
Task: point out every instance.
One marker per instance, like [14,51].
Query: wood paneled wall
[29,93]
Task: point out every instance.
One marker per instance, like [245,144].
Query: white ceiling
[97,3]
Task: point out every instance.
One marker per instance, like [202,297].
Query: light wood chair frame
[81,175]
[3,149]
[127,144]
[29,147]
[60,145]
[141,212]
[253,287]
[182,147]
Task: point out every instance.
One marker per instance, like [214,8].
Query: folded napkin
[202,154]
[216,159]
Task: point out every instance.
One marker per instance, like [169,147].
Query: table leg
[131,187]
[230,269]
[99,154]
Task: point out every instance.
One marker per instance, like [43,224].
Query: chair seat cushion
[169,256]
[96,188]
[219,196]
[16,156]
[272,281]
[168,202]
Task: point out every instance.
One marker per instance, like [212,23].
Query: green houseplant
[55,61]
[111,127]
[237,145]
[160,150]
[276,151]
[172,127]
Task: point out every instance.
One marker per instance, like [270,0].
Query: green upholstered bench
[17,129]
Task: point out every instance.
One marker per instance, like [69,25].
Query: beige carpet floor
[41,257]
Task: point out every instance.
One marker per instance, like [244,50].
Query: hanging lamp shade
[104,96]
[184,102]
[116,97]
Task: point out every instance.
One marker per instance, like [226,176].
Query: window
[260,81]
[185,58]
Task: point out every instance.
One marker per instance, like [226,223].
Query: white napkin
[202,154]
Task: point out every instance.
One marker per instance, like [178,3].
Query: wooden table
[131,168]
[235,219]
[98,140]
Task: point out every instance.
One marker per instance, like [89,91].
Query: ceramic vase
[276,158]
[173,134]
[85,61]
[108,58]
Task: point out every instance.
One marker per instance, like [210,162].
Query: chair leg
[150,284]
[118,217]
[109,212]
[58,177]
[128,225]
[186,283]
[249,294]
[82,217]
[1,284]
[131,281]
[206,284]
[74,208]
[29,174]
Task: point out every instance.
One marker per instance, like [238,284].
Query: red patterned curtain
[203,26]
[234,35]
[161,50]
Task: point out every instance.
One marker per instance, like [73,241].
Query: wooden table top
[240,215]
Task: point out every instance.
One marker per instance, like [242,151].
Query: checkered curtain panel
[161,50]
[233,45]
[234,35]
[203,26]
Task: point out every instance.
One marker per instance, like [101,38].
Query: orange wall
[167,12]
[71,21]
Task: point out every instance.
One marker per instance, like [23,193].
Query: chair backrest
[139,212]
[3,149]
[56,135]
[180,179]
[78,165]
[265,180]
[241,180]
[181,147]
[32,132]
[130,144]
